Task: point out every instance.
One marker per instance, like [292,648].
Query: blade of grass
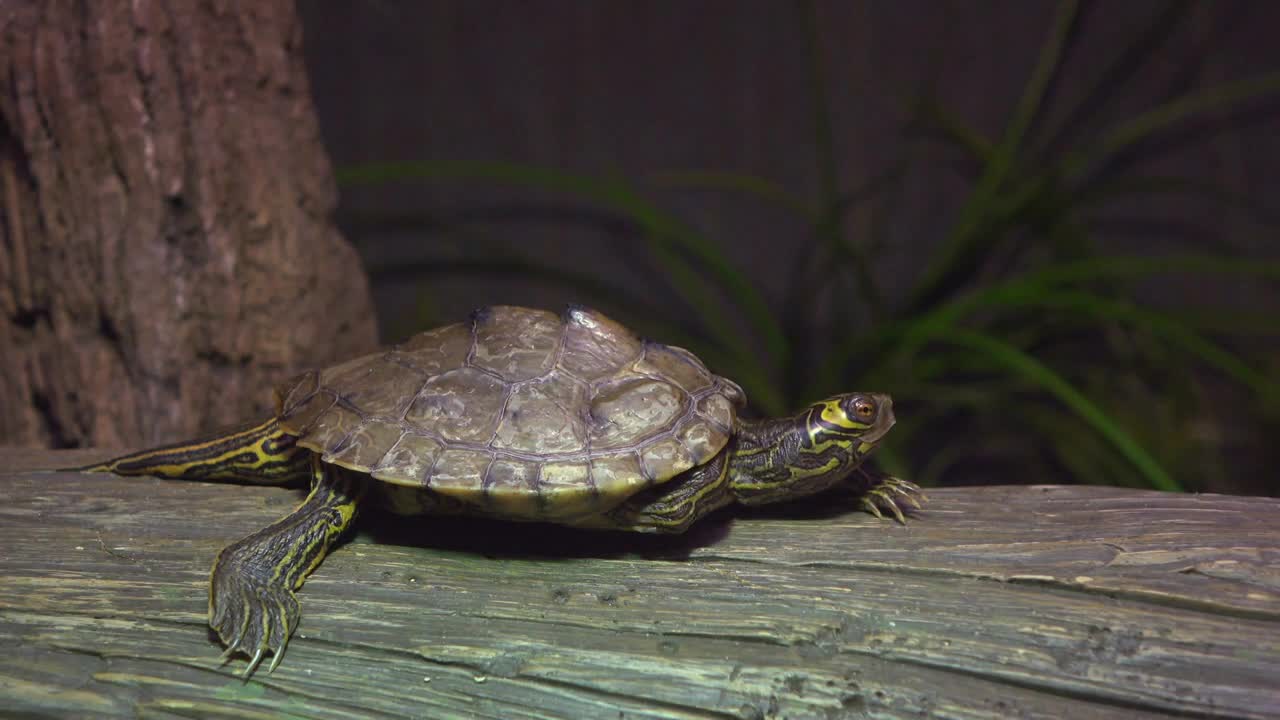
[1093,269]
[753,185]
[852,253]
[1083,114]
[665,234]
[1166,326]
[832,273]
[1241,323]
[1128,133]
[950,128]
[902,339]
[957,257]
[612,194]
[830,227]
[1029,367]
[1087,457]
[820,110]
[1102,193]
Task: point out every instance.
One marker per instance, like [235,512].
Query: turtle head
[811,451]
[859,419]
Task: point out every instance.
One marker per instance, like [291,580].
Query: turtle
[515,413]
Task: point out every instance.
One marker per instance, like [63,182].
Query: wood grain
[994,602]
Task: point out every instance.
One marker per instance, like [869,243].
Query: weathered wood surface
[994,602]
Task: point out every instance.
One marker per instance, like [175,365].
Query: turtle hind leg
[260,453]
[252,605]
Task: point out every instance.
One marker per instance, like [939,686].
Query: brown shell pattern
[518,412]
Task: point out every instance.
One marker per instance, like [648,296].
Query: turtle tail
[260,453]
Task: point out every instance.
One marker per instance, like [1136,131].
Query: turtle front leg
[252,605]
[679,503]
[886,492]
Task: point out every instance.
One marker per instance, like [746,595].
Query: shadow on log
[997,601]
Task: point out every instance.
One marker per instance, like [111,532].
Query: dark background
[882,110]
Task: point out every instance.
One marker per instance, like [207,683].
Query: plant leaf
[956,255]
[1039,373]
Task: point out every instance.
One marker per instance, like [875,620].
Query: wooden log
[993,602]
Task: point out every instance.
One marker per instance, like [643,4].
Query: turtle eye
[864,409]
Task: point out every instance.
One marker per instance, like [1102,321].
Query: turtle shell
[518,412]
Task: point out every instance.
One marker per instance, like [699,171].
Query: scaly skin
[252,605]
[258,454]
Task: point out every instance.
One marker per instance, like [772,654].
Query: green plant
[1023,342]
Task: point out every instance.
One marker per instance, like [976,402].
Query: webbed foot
[252,605]
[250,615]
[891,494]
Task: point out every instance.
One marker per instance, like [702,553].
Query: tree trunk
[167,252]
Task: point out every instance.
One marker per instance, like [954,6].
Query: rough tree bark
[166,247]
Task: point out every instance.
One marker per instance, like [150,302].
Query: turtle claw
[234,643]
[227,654]
[909,499]
[275,660]
[250,616]
[871,508]
[891,494]
[279,653]
[882,496]
[253,664]
[904,491]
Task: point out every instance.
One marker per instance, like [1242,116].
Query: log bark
[166,247]
[1038,602]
